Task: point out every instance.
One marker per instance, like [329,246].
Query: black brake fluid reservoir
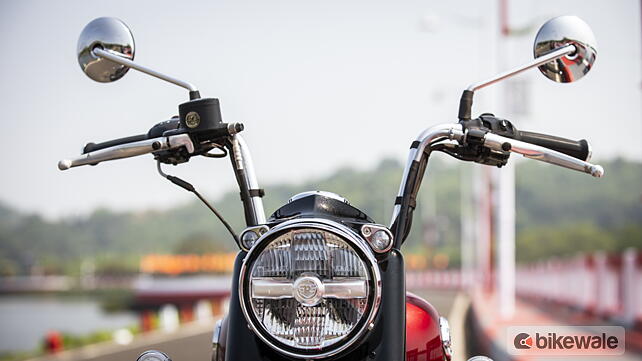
[200,114]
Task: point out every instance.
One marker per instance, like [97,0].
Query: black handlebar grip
[90,147]
[579,149]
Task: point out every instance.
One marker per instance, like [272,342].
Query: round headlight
[310,288]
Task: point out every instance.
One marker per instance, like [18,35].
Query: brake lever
[528,150]
[130,150]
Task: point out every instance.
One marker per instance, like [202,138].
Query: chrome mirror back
[106,52]
[560,32]
[108,34]
[565,50]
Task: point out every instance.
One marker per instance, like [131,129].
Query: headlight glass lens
[309,288]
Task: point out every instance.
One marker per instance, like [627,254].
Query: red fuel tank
[423,339]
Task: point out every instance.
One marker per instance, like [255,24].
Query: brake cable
[190,188]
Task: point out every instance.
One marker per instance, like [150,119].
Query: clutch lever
[130,150]
[528,150]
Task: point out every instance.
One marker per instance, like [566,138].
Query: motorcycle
[320,279]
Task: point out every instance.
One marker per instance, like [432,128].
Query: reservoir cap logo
[192,119]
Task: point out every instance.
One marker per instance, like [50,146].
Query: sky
[318,84]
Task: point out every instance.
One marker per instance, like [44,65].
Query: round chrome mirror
[559,32]
[109,34]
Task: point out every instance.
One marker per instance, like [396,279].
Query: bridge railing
[605,285]
[601,284]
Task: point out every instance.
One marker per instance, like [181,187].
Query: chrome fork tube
[246,177]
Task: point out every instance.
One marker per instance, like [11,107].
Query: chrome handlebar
[244,167]
[455,132]
[450,131]
[129,150]
[528,150]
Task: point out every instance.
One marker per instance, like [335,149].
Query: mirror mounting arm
[466,101]
[120,59]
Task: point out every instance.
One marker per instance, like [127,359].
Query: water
[24,320]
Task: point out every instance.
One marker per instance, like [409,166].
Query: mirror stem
[553,55]
[113,56]
[466,101]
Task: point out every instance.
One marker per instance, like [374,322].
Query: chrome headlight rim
[359,245]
